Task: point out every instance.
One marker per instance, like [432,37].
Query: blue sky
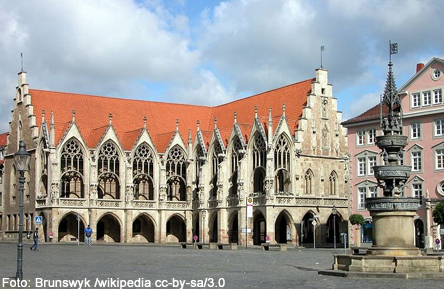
[213,52]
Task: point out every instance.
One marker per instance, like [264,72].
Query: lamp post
[204,213]
[334,211]
[21,160]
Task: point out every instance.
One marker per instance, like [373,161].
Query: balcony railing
[143,204]
[109,203]
[233,201]
[213,203]
[67,202]
[174,205]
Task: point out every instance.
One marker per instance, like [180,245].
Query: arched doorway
[333,228]
[176,229]
[282,228]
[419,233]
[233,228]
[259,228]
[108,229]
[69,230]
[214,228]
[143,229]
[307,228]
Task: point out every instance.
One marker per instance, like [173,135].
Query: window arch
[259,152]
[282,165]
[143,173]
[216,159]
[333,183]
[282,154]
[176,174]
[235,157]
[109,171]
[43,185]
[71,170]
[309,176]
[259,159]
[200,159]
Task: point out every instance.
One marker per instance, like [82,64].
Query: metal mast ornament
[392,214]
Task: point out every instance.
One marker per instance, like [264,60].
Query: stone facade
[149,184]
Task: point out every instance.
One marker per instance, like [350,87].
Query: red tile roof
[3,143]
[3,139]
[92,114]
[371,114]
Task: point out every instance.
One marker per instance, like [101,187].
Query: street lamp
[334,211]
[21,160]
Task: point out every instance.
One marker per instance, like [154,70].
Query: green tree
[357,219]
[438,214]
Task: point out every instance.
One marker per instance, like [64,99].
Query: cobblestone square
[159,265]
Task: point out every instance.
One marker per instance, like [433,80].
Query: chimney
[419,66]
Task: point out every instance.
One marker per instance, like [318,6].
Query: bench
[359,250]
[267,247]
[220,246]
[184,245]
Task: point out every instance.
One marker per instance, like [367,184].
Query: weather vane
[393,49]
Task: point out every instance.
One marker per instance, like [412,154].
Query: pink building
[423,122]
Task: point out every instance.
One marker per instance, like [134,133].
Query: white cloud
[153,49]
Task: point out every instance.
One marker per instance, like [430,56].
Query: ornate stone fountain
[393,249]
[392,214]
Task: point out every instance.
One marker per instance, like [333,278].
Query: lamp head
[21,157]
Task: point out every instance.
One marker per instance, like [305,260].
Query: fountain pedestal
[393,233]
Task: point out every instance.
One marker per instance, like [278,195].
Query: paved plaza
[110,266]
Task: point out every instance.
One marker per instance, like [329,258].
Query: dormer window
[436,74]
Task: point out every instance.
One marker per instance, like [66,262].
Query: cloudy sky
[211,52]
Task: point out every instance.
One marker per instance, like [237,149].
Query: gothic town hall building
[152,172]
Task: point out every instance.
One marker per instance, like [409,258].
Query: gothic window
[333,183]
[108,172]
[309,182]
[200,159]
[282,165]
[143,173]
[259,158]
[235,157]
[176,174]
[215,161]
[71,170]
[43,172]
[282,154]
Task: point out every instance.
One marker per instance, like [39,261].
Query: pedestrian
[88,233]
[267,239]
[28,236]
[36,239]
[51,236]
